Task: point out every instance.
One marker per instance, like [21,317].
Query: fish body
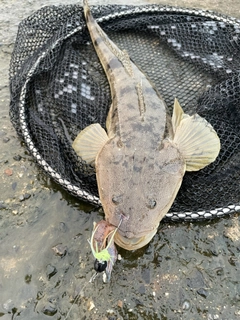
[142,156]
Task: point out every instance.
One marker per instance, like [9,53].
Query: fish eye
[151,203]
[100,266]
[116,199]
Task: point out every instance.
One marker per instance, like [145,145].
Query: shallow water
[188,271]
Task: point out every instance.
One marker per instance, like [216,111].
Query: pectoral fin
[197,141]
[89,142]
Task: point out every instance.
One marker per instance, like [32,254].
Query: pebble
[6,139]
[24,196]
[90,305]
[51,271]
[213,317]
[14,185]
[28,278]
[17,157]
[186,305]
[214,252]
[111,311]
[21,198]
[49,310]
[202,292]
[232,260]
[120,303]
[2,205]
[219,271]
[8,172]
[62,227]
[60,250]
[15,248]
[2,133]
[195,280]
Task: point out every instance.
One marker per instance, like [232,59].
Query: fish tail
[87,12]
[85,3]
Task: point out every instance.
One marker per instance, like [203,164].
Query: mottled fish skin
[141,161]
[136,105]
[137,171]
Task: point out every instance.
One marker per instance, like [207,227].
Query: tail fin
[86,9]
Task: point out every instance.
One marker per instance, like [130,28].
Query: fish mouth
[133,243]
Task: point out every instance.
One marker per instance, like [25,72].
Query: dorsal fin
[126,61]
[177,115]
[141,102]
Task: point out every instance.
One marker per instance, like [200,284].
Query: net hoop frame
[67,185]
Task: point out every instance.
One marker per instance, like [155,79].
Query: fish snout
[133,243]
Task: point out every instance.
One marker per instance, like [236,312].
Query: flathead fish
[141,157]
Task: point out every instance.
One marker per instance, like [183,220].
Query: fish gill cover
[58,87]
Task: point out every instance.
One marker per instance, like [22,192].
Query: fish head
[138,188]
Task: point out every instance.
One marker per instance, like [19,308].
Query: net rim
[67,185]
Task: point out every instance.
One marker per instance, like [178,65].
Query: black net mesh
[57,83]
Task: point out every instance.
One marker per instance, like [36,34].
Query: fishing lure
[102,245]
[100,250]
